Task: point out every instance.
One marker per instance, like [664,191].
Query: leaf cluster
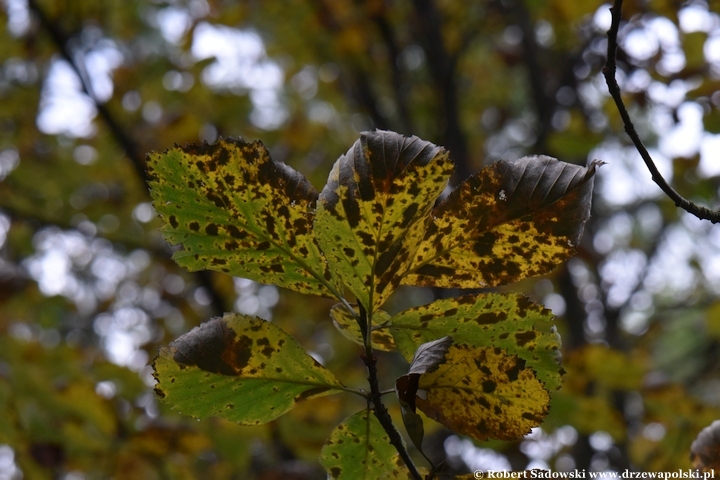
[483,364]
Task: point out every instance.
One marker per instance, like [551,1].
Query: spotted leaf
[236,210]
[483,393]
[509,321]
[373,212]
[509,221]
[358,448]
[349,327]
[239,368]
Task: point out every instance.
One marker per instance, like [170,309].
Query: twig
[383,417]
[703,213]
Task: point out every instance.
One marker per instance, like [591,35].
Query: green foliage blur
[88,290]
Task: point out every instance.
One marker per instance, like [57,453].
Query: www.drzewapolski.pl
[627,474]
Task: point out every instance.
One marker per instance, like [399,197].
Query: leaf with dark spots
[249,362]
[346,322]
[377,203]
[240,193]
[508,321]
[509,221]
[471,402]
[358,449]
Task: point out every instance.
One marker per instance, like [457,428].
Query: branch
[703,213]
[383,416]
[401,93]
[442,65]
[62,41]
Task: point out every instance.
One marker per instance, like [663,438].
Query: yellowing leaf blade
[509,221]
[508,321]
[236,210]
[373,211]
[347,324]
[483,393]
[239,368]
[359,449]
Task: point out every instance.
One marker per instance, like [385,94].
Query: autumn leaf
[236,210]
[483,393]
[508,321]
[509,221]
[373,212]
[358,448]
[705,449]
[427,358]
[243,369]
[347,324]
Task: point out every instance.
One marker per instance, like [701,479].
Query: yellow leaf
[483,393]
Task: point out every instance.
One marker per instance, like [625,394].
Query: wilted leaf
[236,210]
[358,448]
[372,213]
[483,393]
[509,221]
[349,327]
[242,369]
[705,450]
[509,321]
[427,357]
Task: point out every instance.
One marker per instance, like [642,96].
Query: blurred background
[88,290]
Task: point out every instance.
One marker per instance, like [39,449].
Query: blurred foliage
[88,290]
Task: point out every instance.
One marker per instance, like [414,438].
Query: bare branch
[703,213]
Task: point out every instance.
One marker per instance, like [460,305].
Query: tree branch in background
[62,42]
[441,66]
[703,213]
[397,69]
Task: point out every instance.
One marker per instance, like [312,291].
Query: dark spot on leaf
[489,386]
[525,337]
[349,252]
[309,393]
[159,393]
[235,232]
[514,371]
[173,221]
[211,229]
[194,226]
[263,246]
[488,318]
[408,215]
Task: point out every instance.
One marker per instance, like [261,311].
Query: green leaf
[509,221]
[243,369]
[483,393]
[508,321]
[349,327]
[236,210]
[373,212]
[358,448]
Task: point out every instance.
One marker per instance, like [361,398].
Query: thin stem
[609,70]
[383,417]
